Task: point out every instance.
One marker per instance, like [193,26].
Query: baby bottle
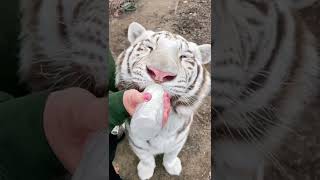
[146,121]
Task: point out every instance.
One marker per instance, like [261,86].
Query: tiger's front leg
[146,165]
[172,162]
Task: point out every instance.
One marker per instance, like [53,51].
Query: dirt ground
[190,19]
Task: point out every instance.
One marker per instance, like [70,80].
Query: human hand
[132,98]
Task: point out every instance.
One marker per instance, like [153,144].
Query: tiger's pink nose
[160,76]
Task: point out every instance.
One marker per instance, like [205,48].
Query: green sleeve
[117,112]
[24,151]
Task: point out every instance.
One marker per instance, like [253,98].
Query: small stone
[185,1]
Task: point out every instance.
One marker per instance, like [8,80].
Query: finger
[136,97]
[132,98]
[127,101]
[147,96]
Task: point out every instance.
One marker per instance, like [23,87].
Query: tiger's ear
[135,30]
[300,4]
[205,51]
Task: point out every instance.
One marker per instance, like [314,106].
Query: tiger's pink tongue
[166,108]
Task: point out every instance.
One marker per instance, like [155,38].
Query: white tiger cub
[182,76]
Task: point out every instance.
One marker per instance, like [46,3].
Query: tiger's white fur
[170,53]
[266,72]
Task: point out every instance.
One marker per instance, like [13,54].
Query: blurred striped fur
[265,74]
[63,44]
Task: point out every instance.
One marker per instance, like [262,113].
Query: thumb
[132,98]
[137,97]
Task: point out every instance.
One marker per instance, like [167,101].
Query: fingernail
[147,97]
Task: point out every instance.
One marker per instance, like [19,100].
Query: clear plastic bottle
[146,122]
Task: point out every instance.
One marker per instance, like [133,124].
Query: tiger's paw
[174,167]
[145,171]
